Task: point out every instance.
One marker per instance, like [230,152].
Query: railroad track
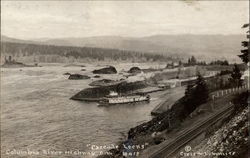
[186,136]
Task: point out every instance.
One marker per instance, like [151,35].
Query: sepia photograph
[124,79]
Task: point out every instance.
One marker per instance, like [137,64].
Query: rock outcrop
[101,82]
[106,70]
[67,73]
[96,93]
[135,70]
[78,77]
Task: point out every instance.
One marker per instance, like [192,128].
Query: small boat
[113,98]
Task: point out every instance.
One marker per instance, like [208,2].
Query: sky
[56,19]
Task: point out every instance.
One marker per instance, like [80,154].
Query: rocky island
[106,70]
[12,63]
[135,70]
[97,93]
[78,77]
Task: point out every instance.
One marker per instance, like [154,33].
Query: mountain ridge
[214,46]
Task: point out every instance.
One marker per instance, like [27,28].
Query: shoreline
[154,138]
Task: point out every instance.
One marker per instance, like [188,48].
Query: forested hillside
[152,48]
[49,53]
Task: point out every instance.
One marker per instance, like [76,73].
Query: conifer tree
[196,94]
[245,52]
[235,79]
[201,90]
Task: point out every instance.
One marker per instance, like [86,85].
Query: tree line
[19,49]
[193,61]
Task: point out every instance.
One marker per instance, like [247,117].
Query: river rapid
[37,114]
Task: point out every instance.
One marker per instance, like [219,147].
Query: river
[37,114]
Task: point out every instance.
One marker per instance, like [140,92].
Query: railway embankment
[200,124]
[229,139]
[163,131]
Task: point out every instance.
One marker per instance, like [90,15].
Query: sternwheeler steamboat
[113,98]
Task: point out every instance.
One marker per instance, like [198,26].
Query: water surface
[37,114]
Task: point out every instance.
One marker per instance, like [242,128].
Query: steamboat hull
[112,101]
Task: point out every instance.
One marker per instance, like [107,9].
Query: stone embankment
[229,141]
